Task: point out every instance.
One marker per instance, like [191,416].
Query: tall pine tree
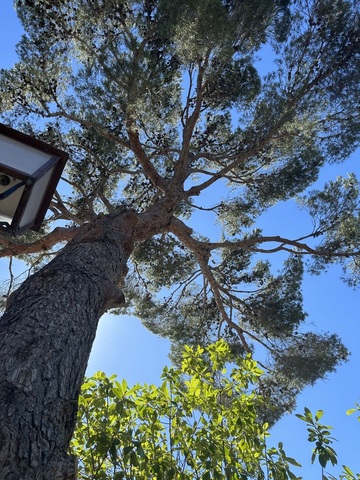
[177,146]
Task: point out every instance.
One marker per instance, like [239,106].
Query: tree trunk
[46,335]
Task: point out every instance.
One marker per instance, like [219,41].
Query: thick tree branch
[11,247]
[182,166]
[184,234]
[149,169]
[60,205]
[300,248]
[239,159]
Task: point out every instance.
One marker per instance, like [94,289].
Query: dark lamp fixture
[29,173]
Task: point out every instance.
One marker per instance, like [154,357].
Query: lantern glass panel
[37,194]
[9,205]
[13,153]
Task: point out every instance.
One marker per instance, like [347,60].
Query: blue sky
[124,347]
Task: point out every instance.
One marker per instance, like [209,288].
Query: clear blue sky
[124,347]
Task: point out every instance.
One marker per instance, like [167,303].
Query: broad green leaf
[292,461]
[319,414]
[348,471]
[351,411]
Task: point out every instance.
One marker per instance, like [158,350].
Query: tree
[189,427]
[158,103]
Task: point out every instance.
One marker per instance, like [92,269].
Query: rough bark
[46,335]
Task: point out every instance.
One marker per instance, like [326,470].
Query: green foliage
[230,84]
[353,410]
[201,422]
[314,353]
[336,214]
[320,435]
[177,264]
[277,309]
[323,451]
[304,360]
[165,109]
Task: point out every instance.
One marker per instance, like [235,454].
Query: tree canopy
[189,427]
[168,116]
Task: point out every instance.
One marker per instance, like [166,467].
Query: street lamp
[29,172]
